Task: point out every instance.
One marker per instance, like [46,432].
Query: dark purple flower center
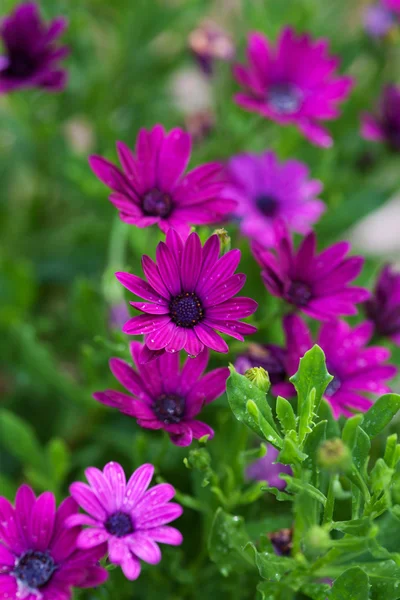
[186,310]
[284,98]
[299,293]
[169,408]
[119,524]
[20,64]
[157,204]
[334,385]
[268,205]
[34,569]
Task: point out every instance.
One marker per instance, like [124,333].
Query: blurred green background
[61,241]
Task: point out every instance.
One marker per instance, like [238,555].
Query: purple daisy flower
[266,469]
[378,20]
[151,188]
[189,296]
[164,396]
[385,125]
[393,5]
[266,190]
[293,84]
[39,557]
[383,309]
[316,284]
[126,515]
[31,57]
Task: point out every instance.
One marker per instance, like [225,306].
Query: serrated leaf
[227,541]
[384,577]
[296,485]
[270,565]
[285,414]
[291,453]
[380,414]
[357,527]
[351,585]
[314,440]
[312,373]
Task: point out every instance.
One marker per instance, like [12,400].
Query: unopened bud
[259,377]
[334,456]
[224,239]
[317,540]
[199,459]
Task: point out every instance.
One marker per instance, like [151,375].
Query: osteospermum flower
[316,284]
[126,515]
[393,5]
[39,557]
[266,190]
[31,57]
[267,469]
[164,396]
[151,188]
[292,84]
[189,296]
[385,125]
[383,309]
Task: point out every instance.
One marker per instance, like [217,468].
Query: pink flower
[267,190]
[152,189]
[385,125]
[164,396]
[292,84]
[127,516]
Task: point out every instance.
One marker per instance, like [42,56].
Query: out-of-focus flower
[356,367]
[393,5]
[294,84]
[266,469]
[384,307]
[79,134]
[266,190]
[271,358]
[316,284]
[151,188]
[282,541]
[189,296]
[378,20]
[164,396]
[31,57]
[39,557]
[333,455]
[385,125]
[209,42]
[126,515]
[118,315]
[200,124]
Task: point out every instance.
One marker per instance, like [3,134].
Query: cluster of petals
[39,555]
[189,296]
[316,284]
[267,190]
[31,56]
[127,516]
[383,308]
[384,126]
[152,189]
[294,83]
[162,395]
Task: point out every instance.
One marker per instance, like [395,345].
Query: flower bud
[259,377]
[334,456]
[317,540]
[224,239]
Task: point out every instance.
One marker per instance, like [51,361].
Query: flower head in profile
[266,190]
[31,56]
[316,284]
[162,395]
[189,296]
[39,556]
[267,469]
[384,126]
[294,83]
[130,518]
[152,189]
[383,309]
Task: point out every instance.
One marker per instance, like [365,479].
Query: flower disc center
[119,524]
[19,65]
[268,205]
[299,293]
[284,98]
[169,408]
[186,310]
[34,569]
[157,204]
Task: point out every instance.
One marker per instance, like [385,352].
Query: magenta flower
[383,309]
[151,188]
[266,190]
[128,516]
[293,84]
[384,126]
[266,469]
[31,57]
[189,296]
[163,396]
[316,284]
[39,558]
[393,5]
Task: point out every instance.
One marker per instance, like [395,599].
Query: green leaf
[268,432]
[361,449]
[391,452]
[296,485]
[312,373]
[226,542]
[59,459]
[349,432]
[316,591]
[380,414]
[384,577]
[358,527]
[306,415]
[313,441]
[18,437]
[325,414]
[285,414]
[381,476]
[270,590]
[351,585]
[291,453]
[269,565]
